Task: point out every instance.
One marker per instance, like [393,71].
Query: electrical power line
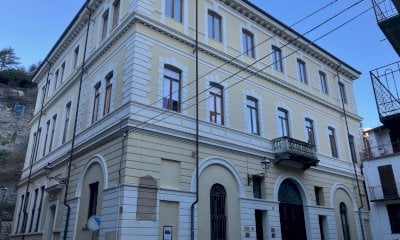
[262,69]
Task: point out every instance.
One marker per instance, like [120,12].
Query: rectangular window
[342,90]
[46,136]
[39,209]
[352,149]
[36,143]
[319,196]
[94,192]
[332,142]
[172,88]
[283,121]
[324,83]
[33,152]
[217,103]
[214,26]
[252,115]
[116,7]
[56,79]
[21,206]
[388,182]
[394,217]
[44,92]
[248,43]
[104,29]
[25,216]
[107,97]
[96,102]
[301,68]
[309,125]
[173,9]
[53,130]
[66,123]
[277,59]
[257,186]
[36,192]
[62,72]
[76,56]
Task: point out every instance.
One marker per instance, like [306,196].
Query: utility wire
[241,54]
[262,69]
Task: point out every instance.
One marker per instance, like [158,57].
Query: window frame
[66,122]
[46,137]
[93,198]
[277,63]
[108,93]
[248,43]
[96,103]
[168,84]
[253,111]
[352,146]
[302,71]
[56,75]
[393,211]
[62,72]
[323,82]
[172,14]
[342,92]
[333,142]
[218,216]
[76,56]
[104,26]
[283,122]
[53,130]
[215,98]
[344,220]
[216,27]
[116,11]
[310,129]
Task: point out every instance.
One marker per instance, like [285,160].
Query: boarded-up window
[147,199]
[387,181]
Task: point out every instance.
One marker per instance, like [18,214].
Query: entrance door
[292,222]
[259,224]
[291,212]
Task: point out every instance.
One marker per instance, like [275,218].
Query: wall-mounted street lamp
[265,164]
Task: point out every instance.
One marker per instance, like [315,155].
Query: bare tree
[8,58]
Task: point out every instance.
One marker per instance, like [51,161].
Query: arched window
[217,212]
[345,222]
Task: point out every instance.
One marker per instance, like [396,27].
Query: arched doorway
[291,211]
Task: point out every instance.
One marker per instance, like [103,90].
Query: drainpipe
[33,157]
[197,125]
[75,124]
[353,160]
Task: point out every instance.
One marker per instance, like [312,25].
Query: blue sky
[33,26]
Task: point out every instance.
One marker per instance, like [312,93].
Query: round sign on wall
[93,223]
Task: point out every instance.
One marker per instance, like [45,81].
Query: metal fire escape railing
[385,9]
[386,89]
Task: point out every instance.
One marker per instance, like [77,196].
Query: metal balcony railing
[385,9]
[386,85]
[383,150]
[384,193]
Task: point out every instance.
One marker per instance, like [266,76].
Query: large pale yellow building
[114,131]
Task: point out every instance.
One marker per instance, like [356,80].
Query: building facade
[382,177]
[114,132]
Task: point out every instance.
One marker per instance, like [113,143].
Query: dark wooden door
[259,224]
[292,222]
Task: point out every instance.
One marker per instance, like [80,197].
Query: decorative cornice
[270,23]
